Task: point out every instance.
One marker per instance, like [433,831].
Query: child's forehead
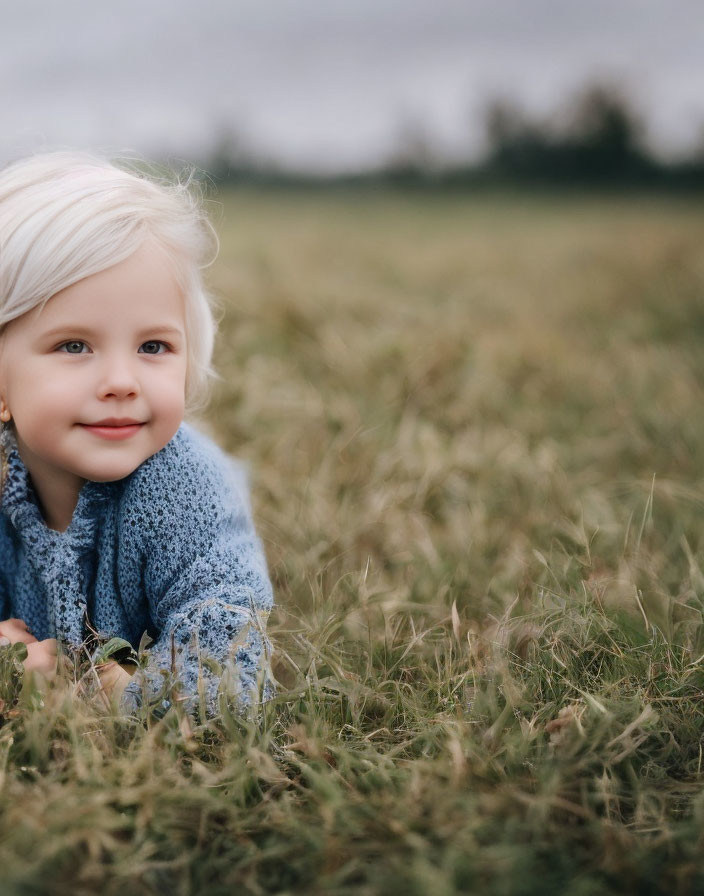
[142,288]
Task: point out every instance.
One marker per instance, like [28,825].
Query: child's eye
[153,347]
[74,347]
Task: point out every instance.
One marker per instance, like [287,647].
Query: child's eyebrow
[162,330]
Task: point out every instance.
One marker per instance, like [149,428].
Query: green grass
[476,437]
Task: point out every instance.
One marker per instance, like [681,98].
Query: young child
[116,517]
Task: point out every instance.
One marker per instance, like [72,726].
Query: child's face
[111,346]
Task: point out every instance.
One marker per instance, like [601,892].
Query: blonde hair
[67,215]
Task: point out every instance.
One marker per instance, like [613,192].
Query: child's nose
[118,379]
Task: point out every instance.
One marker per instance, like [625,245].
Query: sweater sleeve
[205,578]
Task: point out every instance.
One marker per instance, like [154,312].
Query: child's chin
[111,472]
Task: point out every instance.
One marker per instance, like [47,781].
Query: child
[116,517]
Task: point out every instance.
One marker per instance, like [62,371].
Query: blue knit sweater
[169,550]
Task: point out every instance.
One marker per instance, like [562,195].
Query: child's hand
[16,630]
[114,678]
[41,657]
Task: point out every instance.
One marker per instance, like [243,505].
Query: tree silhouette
[598,139]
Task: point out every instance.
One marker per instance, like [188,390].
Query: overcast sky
[330,83]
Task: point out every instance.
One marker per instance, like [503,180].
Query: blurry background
[539,88]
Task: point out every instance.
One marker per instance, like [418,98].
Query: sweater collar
[20,504]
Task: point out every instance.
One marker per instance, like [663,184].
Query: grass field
[476,438]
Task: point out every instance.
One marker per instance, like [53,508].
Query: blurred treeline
[597,141]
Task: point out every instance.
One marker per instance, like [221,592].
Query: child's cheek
[168,406]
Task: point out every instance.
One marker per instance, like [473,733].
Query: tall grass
[476,442]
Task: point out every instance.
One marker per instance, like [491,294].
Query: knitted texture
[169,550]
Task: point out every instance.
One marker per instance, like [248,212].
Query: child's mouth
[113,431]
